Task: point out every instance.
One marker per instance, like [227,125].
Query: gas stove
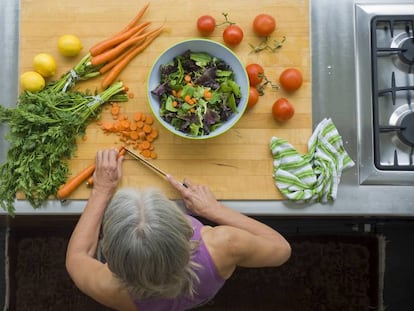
[385,84]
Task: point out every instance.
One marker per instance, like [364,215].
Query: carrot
[97,48]
[66,189]
[137,116]
[103,46]
[133,135]
[116,70]
[146,153]
[147,128]
[107,126]
[154,133]
[109,65]
[136,18]
[115,110]
[133,126]
[111,54]
[149,119]
[145,145]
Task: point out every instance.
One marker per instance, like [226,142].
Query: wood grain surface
[236,165]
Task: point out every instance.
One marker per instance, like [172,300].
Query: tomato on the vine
[232,35]
[206,24]
[255,72]
[264,25]
[290,79]
[282,110]
[253,97]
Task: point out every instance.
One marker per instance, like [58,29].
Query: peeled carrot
[117,50]
[65,190]
[128,27]
[116,70]
[105,45]
[136,18]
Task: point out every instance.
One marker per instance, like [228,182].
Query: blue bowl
[215,49]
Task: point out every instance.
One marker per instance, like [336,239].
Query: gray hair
[146,243]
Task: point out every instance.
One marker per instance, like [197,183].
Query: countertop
[333,95]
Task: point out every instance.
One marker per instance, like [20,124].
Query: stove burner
[407,133]
[407,51]
[403,47]
[402,123]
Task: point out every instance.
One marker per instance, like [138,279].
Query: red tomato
[282,110]
[255,72]
[206,24]
[253,97]
[290,79]
[232,35]
[264,25]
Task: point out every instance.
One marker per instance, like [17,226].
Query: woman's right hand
[198,198]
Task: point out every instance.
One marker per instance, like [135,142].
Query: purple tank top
[210,281]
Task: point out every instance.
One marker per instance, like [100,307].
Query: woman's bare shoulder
[218,242]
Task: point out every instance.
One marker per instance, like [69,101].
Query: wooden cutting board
[237,165]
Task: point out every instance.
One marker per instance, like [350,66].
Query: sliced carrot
[140,124]
[145,145]
[107,126]
[153,155]
[125,124]
[133,126]
[149,120]
[137,116]
[133,135]
[146,153]
[154,133]
[147,128]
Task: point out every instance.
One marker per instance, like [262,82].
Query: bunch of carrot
[137,132]
[116,52]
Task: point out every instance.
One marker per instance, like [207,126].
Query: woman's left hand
[108,171]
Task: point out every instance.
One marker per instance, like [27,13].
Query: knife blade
[143,160]
[149,164]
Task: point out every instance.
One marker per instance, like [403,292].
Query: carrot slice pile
[137,131]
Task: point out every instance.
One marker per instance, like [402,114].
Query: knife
[143,160]
[149,164]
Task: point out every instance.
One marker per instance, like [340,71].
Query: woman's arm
[250,242]
[91,276]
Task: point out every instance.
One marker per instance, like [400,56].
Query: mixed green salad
[197,93]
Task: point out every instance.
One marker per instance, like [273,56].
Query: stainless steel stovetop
[385,87]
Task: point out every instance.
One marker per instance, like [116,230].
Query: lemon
[44,64]
[32,81]
[69,45]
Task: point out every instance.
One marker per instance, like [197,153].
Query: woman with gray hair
[156,256]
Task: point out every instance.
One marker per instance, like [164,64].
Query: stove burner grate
[395,47]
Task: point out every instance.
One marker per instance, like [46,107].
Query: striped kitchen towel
[314,176]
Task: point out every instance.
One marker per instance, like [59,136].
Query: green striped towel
[314,176]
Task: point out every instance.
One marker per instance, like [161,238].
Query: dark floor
[399,263]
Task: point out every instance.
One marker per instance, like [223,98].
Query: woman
[157,257]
